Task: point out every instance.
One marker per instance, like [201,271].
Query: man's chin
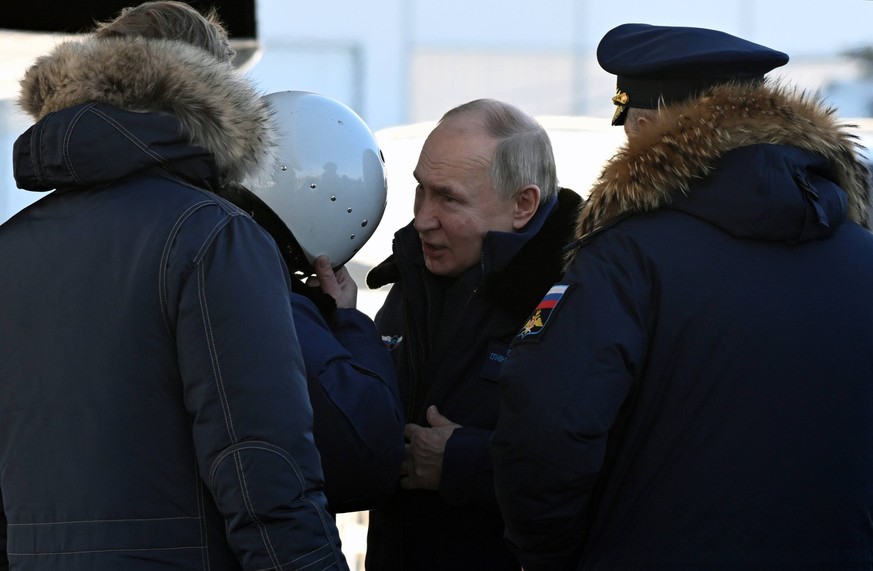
[439,267]
[434,266]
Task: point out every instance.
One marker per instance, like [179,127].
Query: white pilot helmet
[328,185]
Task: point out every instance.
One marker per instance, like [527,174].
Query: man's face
[456,203]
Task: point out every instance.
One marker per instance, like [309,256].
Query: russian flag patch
[536,323]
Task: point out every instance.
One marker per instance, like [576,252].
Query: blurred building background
[397,62]
[405,61]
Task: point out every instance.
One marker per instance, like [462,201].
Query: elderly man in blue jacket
[486,242]
[697,391]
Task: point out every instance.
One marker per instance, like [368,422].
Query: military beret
[669,64]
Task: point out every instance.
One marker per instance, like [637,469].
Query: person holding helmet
[321,201]
[154,412]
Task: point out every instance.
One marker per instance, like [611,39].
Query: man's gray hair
[524,151]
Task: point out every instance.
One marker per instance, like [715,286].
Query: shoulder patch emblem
[391,341]
[538,320]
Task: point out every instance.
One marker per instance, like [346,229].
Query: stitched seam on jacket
[308,565]
[213,356]
[324,527]
[201,511]
[316,562]
[262,529]
[35,144]
[165,256]
[65,145]
[257,445]
[283,565]
[198,257]
[127,134]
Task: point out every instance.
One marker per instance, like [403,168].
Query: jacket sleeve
[562,386]
[468,474]
[244,387]
[353,389]
[4,560]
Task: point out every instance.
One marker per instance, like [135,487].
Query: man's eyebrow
[439,189]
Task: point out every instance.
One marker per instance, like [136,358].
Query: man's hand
[337,284]
[423,465]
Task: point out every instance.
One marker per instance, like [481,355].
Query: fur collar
[687,140]
[217,105]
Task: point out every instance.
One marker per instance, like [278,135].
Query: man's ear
[526,203]
[637,123]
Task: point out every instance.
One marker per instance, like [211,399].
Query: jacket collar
[498,248]
[515,279]
[538,263]
[688,142]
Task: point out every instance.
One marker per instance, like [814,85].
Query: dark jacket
[153,409]
[709,396]
[352,385]
[448,340]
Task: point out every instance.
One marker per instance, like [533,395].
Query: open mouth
[431,250]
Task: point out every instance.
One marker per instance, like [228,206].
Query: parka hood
[759,162]
[214,106]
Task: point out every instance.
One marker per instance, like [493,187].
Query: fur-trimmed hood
[217,107]
[687,143]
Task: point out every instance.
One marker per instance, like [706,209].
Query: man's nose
[425,216]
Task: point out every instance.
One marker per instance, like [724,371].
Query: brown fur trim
[686,140]
[219,107]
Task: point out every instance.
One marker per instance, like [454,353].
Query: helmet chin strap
[291,251]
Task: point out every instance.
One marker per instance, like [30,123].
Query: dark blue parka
[153,402]
[697,392]
[352,384]
[448,338]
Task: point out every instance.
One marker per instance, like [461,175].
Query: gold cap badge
[620,100]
